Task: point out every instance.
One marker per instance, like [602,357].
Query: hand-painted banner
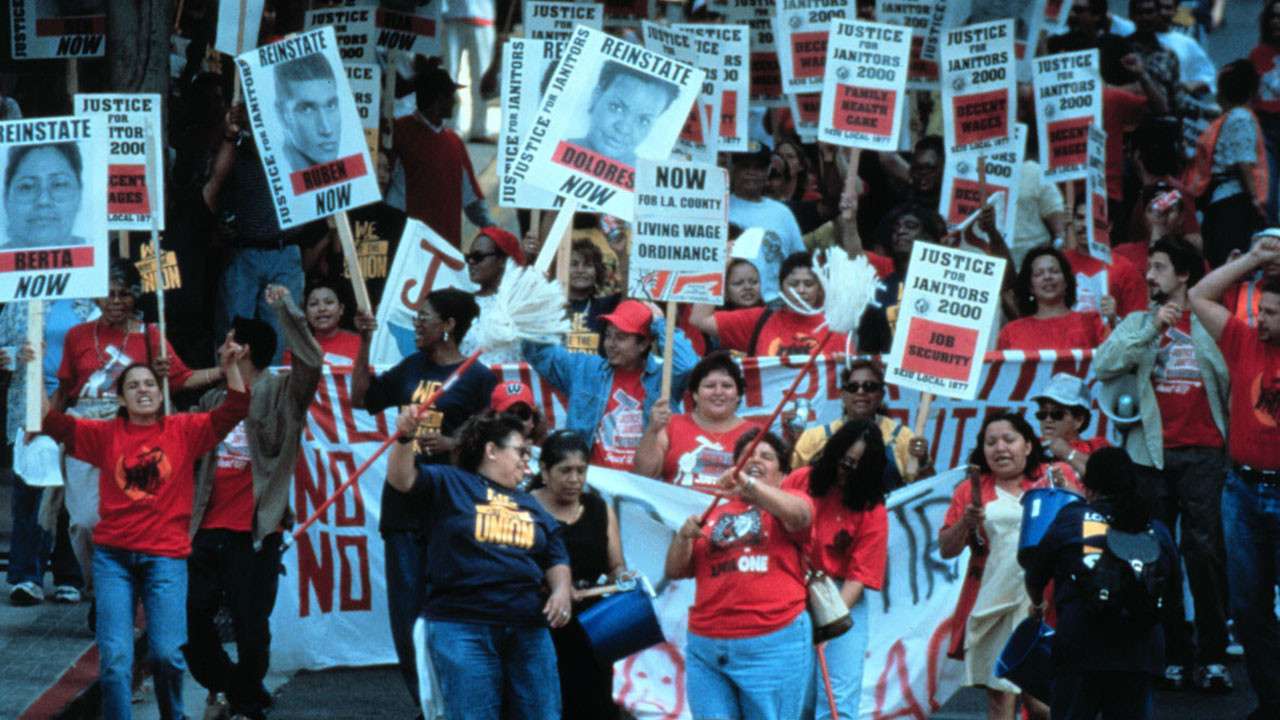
[801,26]
[125,118]
[1068,99]
[978,99]
[865,85]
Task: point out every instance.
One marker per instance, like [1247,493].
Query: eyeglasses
[866,386]
[525,452]
[475,258]
[61,187]
[848,464]
[1057,414]
[520,410]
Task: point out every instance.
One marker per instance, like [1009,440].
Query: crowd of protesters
[185,512]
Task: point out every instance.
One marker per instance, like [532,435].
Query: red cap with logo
[510,393]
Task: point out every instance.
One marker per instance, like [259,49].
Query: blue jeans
[406,572]
[754,678]
[121,577]
[247,274]
[1252,514]
[32,550]
[487,672]
[845,655]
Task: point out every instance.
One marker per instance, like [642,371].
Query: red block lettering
[315,573]
[346,601]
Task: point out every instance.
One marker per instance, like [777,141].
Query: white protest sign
[43,29]
[726,93]
[766,75]
[125,119]
[949,304]
[355,28]
[926,19]
[238,23]
[366,88]
[1003,169]
[864,92]
[694,139]
[629,13]
[556,20]
[1068,100]
[681,230]
[53,241]
[978,100]
[417,32]
[609,102]
[524,66]
[806,110]
[1100,224]
[307,128]
[802,26]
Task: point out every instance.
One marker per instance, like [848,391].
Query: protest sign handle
[922,416]
[122,243]
[667,339]
[851,175]
[563,257]
[422,410]
[559,229]
[153,178]
[354,271]
[35,375]
[786,398]
[982,181]
[1071,209]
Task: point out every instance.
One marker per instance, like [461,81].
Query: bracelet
[404,439]
[1071,456]
[231,138]
[750,485]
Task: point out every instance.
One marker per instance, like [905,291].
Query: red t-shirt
[145,487]
[1122,111]
[845,544]
[1255,396]
[696,456]
[1067,332]
[619,431]
[438,177]
[1140,229]
[883,264]
[1263,57]
[339,351]
[94,355]
[784,332]
[1184,404]
[231,498]
[1124,282]
[747,566]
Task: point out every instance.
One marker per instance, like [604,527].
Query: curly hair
[478,431]
[1027,304]
[863,489]
[722,361]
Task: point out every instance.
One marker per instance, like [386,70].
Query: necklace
[97,345]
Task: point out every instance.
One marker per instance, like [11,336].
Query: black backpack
[1126,585]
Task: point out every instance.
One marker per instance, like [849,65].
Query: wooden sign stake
[35,369]
[153,176]
[353,261]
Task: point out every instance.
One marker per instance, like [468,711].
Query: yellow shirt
[896,436]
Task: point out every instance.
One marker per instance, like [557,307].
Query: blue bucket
[1039,507]
[621,625]
[1027,658]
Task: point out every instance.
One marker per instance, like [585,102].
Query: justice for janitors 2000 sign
[307,127]
[609,102]
[125,119]
[53,234]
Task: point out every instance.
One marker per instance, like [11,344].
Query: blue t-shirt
[412,381]
[488,548]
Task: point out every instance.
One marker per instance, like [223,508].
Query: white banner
[726,92]
[864,92]
[1068,99]
[802,26]
[43,29]
[354,26]
[979,104]
[125,118]
[678,242]
[766,75]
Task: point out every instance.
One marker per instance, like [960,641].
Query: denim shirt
[586,379]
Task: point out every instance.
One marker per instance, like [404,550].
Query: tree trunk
[138,46]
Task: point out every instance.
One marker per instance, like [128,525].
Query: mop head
[848,285]
[526,307]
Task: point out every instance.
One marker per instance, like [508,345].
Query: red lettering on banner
[981,116]
[342,465]
[671,706]
[897,658]
[308,487]
[321,412]
[327,174]
[940,350]
[864,110]
[127,190]
[755,383]
[766,74]
[355,435]
[51,259]
[1069,142]
[346,601]
[59,26]
[438,258]
[808,54]
[941,636]
[728,113]
[962,416]
[604,169]
[315,573]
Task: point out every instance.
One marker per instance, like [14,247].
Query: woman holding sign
[1046,292]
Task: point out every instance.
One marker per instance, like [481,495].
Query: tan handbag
[827,610]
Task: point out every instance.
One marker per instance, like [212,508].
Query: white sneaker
[66,594]
[26,593]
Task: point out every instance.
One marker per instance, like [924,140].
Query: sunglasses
[520,410]
[866,386]
[1057,414]
[475,258]
[848,464]
[525,453]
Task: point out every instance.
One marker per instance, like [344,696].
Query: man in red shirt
[1251,498]
[1178,448]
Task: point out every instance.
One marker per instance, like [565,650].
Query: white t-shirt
[781,238]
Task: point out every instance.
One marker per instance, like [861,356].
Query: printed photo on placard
[726,93]
[238,23]
[308,131]
[978,97]
[609,102]
[53,241]
[57,28]
[355,28]
[125,118]
[801,27]
[417,32]
[766,74]
[865,85]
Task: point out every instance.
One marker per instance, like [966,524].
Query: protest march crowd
[160,467]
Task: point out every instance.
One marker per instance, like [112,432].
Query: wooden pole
[35,369]
[235,75]
[667,340]
[353,261]
[122,243]
[982,181]
[922,416]
[153,180]
[1071,215]
[559,230]
[564,255]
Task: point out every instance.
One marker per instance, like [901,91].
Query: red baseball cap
[506,242]
[631,316]
[510,393]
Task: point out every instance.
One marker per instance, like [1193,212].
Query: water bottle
[1125,406]
[798,423]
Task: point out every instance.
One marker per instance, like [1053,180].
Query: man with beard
[1178,448]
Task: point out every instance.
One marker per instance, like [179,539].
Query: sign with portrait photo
[680,234]
[238,23]
[726,92]
[53,241]
[694,139]
[1068,100]
[355,28]
[609,102]
[865,85]
[57,28]
[766,74]
[417,32]
[949,303]
[308,130]
[125,118]
[526,68]
[978,98]
[802,27]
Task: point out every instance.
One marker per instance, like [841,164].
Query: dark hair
[122,412]
[126,273]
[612,70]
[1133,6]
[430,81]
[1272,285]
[778,444]
[456,305]
[931,222]
[934,143]
[1264,23]
[259,336]
[69,151]
[340,291]
[1019,423]
[864,488]
[1238,82]
[1110,474]
[1161,147]
[558,446]
[871,365]
[718,360]
[487,426]
[302,69]
[802,260]
[802,184]
[1184,257]
[591,252]
[1022,286]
